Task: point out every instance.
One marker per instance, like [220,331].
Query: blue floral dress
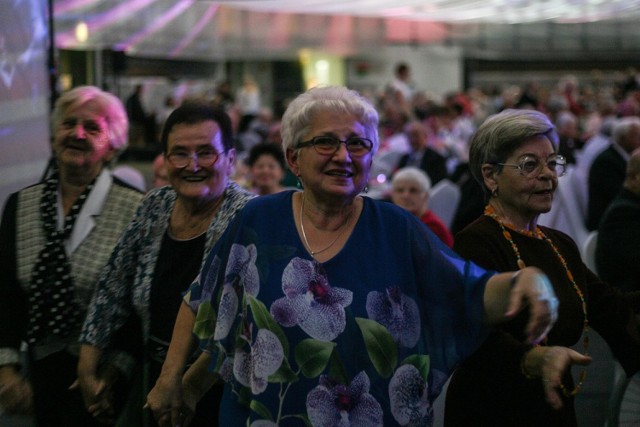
[367,338]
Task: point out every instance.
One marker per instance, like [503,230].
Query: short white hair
[623,126]
[412,174]
[296,120]
[110,106]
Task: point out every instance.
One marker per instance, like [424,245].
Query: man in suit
[607,172]
[618,245]
[422,156]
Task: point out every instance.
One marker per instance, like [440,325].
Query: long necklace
[304,235]
[540,235]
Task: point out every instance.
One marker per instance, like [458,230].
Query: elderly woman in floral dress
[321,305]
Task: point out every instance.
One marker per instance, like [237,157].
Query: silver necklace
[304,235]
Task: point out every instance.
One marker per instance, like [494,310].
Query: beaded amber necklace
[537,233]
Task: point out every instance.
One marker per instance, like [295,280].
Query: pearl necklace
[490,212]
[304,235]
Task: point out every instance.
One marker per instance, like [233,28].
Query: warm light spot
[82,32]
[322,71]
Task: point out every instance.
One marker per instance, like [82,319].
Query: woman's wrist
[531,363]
[525,370]
[171,372]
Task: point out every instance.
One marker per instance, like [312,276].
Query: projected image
[24,93]
[23,41]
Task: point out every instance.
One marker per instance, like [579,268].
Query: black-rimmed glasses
[531,166]
[181,159]
[328,145]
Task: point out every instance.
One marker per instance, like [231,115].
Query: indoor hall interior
[479,57]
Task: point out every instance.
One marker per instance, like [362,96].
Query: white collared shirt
[92,207]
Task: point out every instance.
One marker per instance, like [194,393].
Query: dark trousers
[55,404]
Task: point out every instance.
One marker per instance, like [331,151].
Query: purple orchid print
[253,369]
[398,313]
[408,397]
[310,302]
[242,271]
[331,404]
[208,284]
[242,267]
[226,370]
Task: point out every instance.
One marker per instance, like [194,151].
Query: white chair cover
[444,199]
[565,214]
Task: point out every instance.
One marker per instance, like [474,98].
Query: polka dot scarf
[52,305]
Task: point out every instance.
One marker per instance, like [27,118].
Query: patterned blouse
[125,282]
[367,338]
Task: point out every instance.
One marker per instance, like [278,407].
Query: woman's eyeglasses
[328,145]
[531,166]
[180,159]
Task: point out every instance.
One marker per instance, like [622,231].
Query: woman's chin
[542,209]
[193,191]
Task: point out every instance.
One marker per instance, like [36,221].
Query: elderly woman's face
[342,174]
[410,196]
[527,196]
[191,149]
[82,138]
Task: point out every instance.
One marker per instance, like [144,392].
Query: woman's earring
[299,184]
[494,192]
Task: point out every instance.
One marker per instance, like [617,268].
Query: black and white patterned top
[125,283]
[106,213]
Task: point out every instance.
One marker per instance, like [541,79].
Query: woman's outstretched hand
[530,287]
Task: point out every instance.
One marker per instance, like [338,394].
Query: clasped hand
[166,402]
[98,392]
[16,395]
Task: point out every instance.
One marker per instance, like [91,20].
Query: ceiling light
[82,32]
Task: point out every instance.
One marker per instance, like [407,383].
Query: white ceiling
[267,29]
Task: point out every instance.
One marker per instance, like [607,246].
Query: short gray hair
[109,104]
[296,120]
[621,129]
[412,174]
[503,133]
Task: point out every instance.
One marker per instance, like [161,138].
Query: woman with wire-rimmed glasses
[162,250]
[508,381]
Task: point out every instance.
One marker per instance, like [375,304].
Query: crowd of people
[289,270]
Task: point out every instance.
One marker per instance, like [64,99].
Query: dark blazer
[432,163]
[606,176]
[618,245]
